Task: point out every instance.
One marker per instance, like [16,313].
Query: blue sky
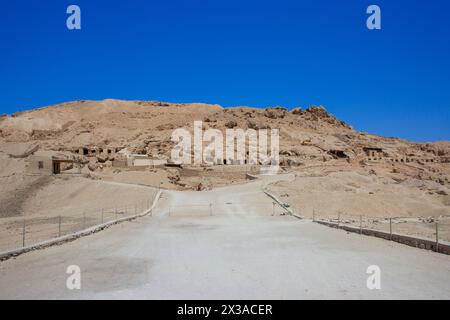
[394,81]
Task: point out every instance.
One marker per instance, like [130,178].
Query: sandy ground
[225,245]
[80,203]
[349,195]
[182,179]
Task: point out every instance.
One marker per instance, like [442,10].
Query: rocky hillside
[313,143]
[145,127]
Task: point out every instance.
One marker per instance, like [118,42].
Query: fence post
[390,229]
[314,215]
[59,227]
[360,224]
[437,237]
[273,208]
[23,233]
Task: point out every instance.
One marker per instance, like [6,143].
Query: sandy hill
[146,125]
[313,143]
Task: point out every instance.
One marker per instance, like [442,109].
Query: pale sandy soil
[417,227]
[351,194]
[226,236]
[240,251]
[187,178]
[335,174]
[156,178]
[80,203]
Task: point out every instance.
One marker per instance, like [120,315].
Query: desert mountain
[97,134]
[145,127]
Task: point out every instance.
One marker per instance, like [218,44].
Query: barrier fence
[17,233]
[21,232]
[214,209]
[435,229]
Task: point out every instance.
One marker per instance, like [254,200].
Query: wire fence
[17,233]
[227,208]
[432,228]
[21,232]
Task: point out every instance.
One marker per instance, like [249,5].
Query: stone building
[45,165]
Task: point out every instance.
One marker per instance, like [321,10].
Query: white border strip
[282,205]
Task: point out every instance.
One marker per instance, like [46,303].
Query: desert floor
[228,244]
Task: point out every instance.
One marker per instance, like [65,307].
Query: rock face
[318,112]
[231,124]
[95,133]
[275,113]
[92,166]
[173,175]
[297,111]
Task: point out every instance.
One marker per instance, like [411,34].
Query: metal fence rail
[435,229]
[19,233]
[214,209]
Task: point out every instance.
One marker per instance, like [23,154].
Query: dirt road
[225,244]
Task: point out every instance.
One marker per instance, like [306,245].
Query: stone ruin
[377,154]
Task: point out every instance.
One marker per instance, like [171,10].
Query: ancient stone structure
[373,154]
[92,151]
[377,154]
[45,165]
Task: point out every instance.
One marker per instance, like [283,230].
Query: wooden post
[360,224]
[314,215]
[390,228]
[23,233]
[59,227]
[437,238]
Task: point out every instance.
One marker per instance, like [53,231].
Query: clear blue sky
[393,82]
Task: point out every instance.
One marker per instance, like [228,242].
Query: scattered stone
[231,124]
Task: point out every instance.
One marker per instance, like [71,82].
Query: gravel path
[241,251]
